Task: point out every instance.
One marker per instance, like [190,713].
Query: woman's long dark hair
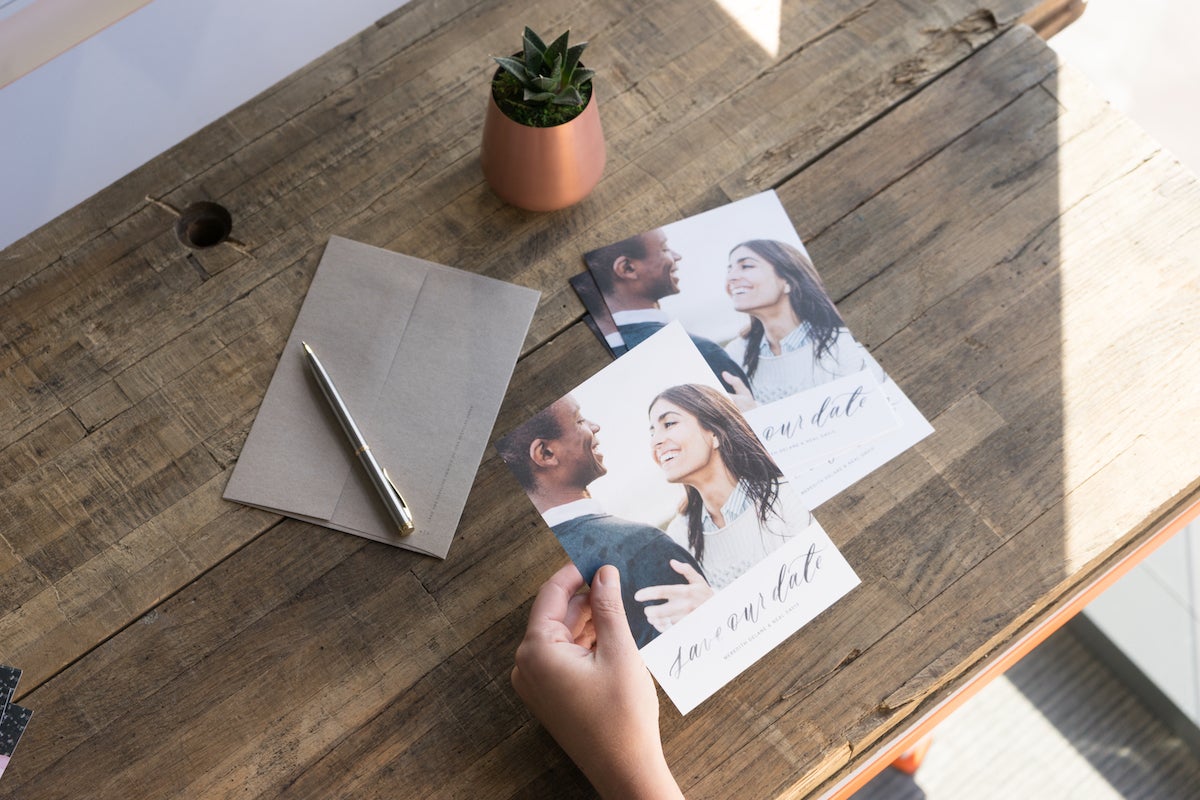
[808,297]
[741,451]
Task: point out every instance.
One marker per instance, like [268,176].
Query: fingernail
[607,575]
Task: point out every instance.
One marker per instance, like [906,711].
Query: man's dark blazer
[640,552]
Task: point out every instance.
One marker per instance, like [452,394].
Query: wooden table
[1021,259]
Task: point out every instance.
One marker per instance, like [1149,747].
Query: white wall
[32,32]
[108,105]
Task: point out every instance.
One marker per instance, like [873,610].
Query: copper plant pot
[542,169]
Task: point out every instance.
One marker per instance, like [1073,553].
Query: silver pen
[396,507]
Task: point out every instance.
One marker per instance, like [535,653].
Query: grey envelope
[422,355]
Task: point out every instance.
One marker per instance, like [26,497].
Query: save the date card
[651,467]
[742,284]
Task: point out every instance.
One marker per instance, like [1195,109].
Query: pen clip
[407,526]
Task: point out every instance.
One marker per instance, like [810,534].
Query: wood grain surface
[1019,257]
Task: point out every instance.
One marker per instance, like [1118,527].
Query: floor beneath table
[1059,724]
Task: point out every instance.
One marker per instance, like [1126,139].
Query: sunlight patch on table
[760,19]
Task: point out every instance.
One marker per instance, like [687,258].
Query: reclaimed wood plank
[179,645]
[123,335]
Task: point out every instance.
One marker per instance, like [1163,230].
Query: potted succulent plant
[543,148]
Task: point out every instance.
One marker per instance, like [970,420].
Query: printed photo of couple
[651,467]
[743,286]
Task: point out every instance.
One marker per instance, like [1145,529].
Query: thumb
[613,638]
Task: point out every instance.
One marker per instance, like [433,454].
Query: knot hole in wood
[202,225]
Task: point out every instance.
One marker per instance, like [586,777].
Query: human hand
[741,396]
[682,598]
[598,702]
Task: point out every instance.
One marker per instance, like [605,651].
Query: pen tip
[307,349]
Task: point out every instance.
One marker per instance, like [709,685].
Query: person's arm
[597,700]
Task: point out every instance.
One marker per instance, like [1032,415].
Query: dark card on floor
[12,725]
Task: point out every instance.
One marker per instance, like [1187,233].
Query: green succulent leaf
[534,52]
[568,97]
[571,60]
[530,36]
[513,67]
[557,49]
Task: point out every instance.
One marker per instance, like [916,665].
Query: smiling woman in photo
[737,508]
[796,339]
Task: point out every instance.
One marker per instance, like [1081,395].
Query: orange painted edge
[925,725]
[910,760]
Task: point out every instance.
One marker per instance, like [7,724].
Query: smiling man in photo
[634,275]
[555,456]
